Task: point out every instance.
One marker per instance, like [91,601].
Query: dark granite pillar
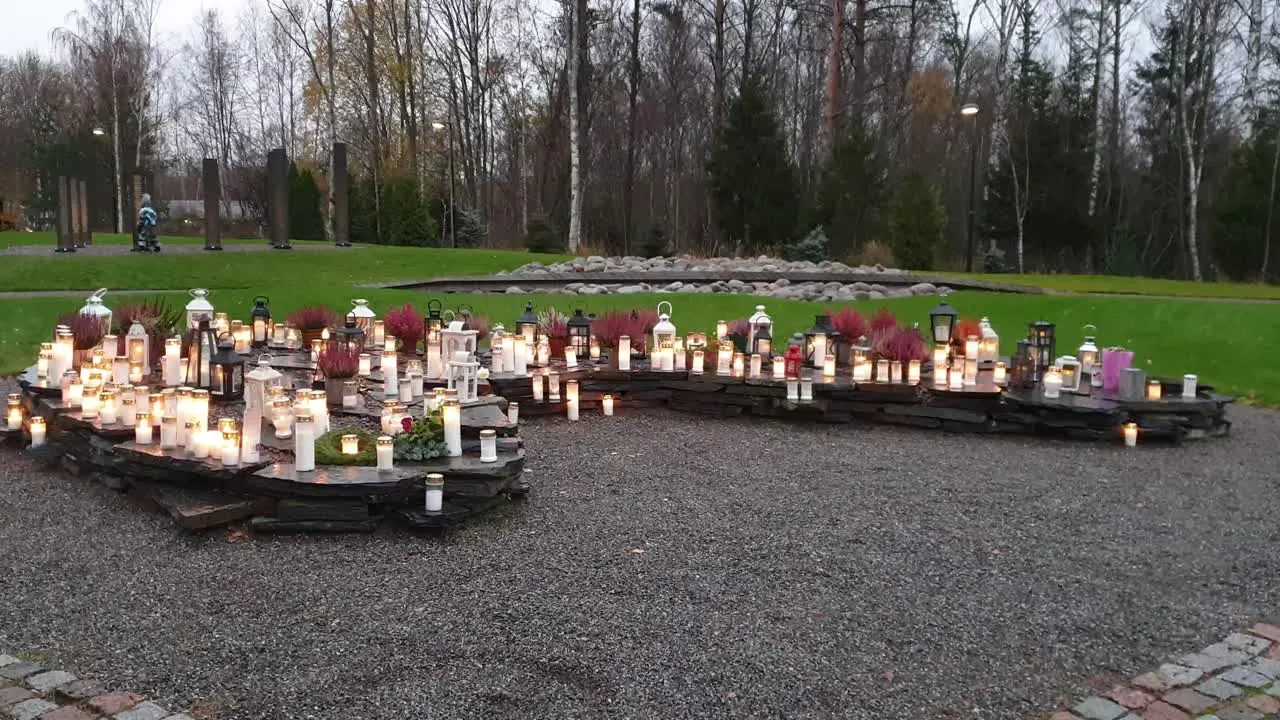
[86,233]
[278,196]
[73,212]
[62,219]
[212,204]
[341,216]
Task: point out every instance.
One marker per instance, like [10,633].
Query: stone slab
[177,460]
[275,525]
[200,509]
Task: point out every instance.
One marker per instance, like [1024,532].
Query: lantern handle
[669,308]
[265,300]
[452,315]
[465,308]
[264,356]
[357,302]
[99,294]
[198,292]
[434,305]
[1087,327]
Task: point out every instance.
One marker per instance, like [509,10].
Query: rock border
[28,691]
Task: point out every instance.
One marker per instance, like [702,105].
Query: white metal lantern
[93,306]
[1070,369]
[664,332]
[1089,357]
[258,383]
[453,339]
[363,316]
[759,321]
[199,308]
[988,344]
[464,376]
[137,345]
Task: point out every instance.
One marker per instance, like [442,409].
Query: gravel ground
[786,571]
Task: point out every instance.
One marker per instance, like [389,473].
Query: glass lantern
[1022,375]
[464,377]
[1069,369]
[1090,358]
[201,345]
[1040,335]
[527,324]
[137,345]
[259,383]
[260,321]
[350,335]
[434,319]
[93,307]
[817,339]
[988,344]
[199,308]
[942,321]
[580,333]
[760,324]
[664,332]
[363,317]
[227,368]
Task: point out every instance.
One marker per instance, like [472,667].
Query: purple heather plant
[314,317]
[338,361]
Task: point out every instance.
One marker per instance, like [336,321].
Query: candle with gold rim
[536,381]
[1155,390]
[913,372]
[488,446]
[756,362]
[38,431]
[806,388]
[385,446]
[553,387]
[13,418]
[829,367]
[779,368]
[699,362]
[168,432]
[172,356]
[434,500]
[366,365]
[110,411]
[793,389]
[999,373]
[739,364]
[1131,434]
[44,360]
[142,428]
[304,444]
[390,374]
[606,404]
[350,444]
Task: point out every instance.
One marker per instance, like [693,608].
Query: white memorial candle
[570,358]
[416,382]
[508,353]
[544,351]
[606,402]
[1154,390]
[806,389]
[172,355]
[379,332]
[120,370]
[998,373]
[971,370]
[349,394]
[304,444]
[452,415]
[680,356]
[1131,434]
[819,346]
[110,411]
[571,399]
[90,403]
[385,446]
[779,368]
[1189,386]
[756,361]
[537,387]
[366,364]
[624,353]
[520,349]
[13,419]
[390,378]
[168,432]
[957,377]
[75,393]
[829,367]
[350,444]
[128,410]
[739,364]
[1052,382]
[940,360]
[594,348]
[913,372]
[793,389]
[435,493]
[488,446]
[495,358]
[895,371]
[142,429]
[110,343]
[250,436]
[882,371]
[38,430]
[724,359]
[406,390]
[699,362]
[513,413]
[553,387]
[282,417]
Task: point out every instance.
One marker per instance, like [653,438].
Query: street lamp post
[970,110]
[453,213]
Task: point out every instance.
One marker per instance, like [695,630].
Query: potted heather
[88,333]
[900,347]
[554,325]
[405,325]
[851,326]
[608,328]
[338,362]
[311,321]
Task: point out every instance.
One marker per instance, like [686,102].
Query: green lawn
[1227,344]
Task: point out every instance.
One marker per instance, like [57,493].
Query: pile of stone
[631,263]
[781,288]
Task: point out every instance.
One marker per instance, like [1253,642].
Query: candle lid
[435,479]
[488,434]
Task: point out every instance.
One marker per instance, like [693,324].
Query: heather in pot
[337,363]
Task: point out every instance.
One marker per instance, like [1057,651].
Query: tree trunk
[1271,207]
[1095,168]
[577,22]
[834,57]
[633,95]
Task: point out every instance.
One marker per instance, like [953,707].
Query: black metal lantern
[1040,335]
[818,339]
[260,318]
[580,333]
[1022,374]
[433,320]
[942,320]
[464,311]
[202,343]
[762,342]
[350,335]
[527,324]
[228,371]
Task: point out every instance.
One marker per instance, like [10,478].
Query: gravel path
[787,571]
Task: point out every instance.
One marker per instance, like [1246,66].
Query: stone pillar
[278,196]
[341,213]
[86,233]
[62,219]
[212,204]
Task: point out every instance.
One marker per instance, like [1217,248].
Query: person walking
[144,237]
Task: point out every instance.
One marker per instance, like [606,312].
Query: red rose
[407,424]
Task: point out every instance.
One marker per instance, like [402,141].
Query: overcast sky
[28,23]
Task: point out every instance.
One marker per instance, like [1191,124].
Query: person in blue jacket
[144,237]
